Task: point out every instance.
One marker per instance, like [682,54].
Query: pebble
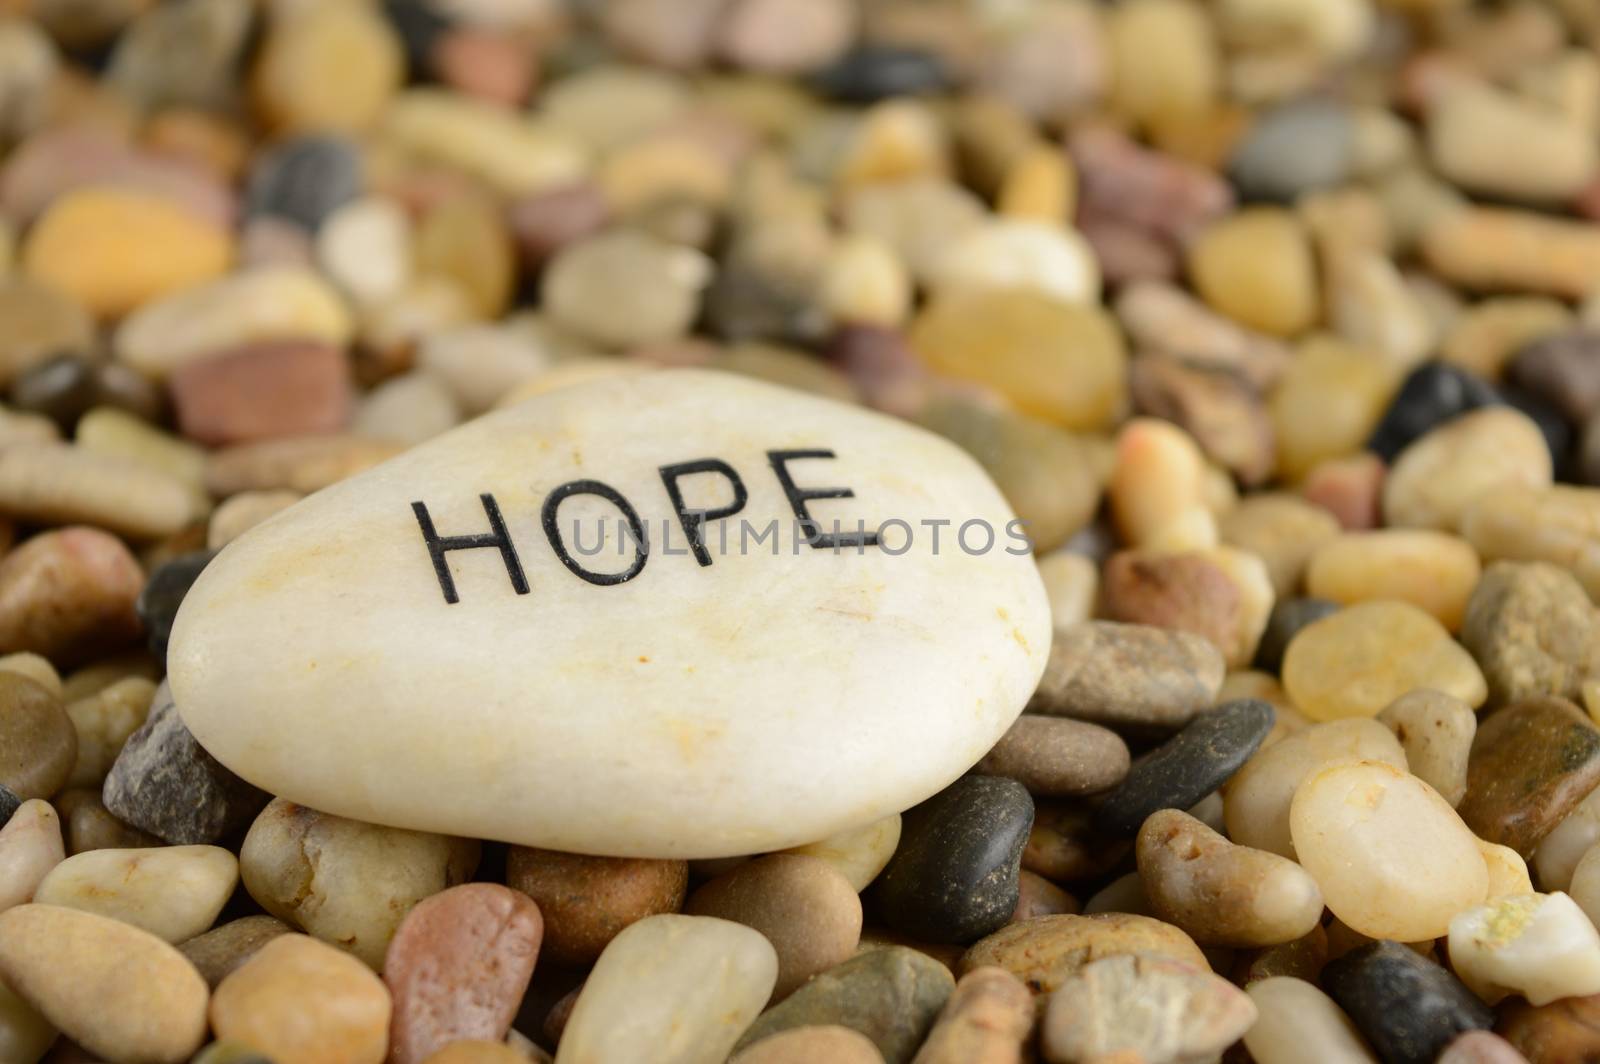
[1048,951]
[215,707]
[1295,148]
[481,364]
[343,881]
[1492,248]
[1162,318]
[1436,731]
[1437,478]
[1355,662]
[299,999]
[1368,981]
[458,966]
[41,322]
[1221,410]
[1557,524]
[1219,893]
[864,283]
[1481,1047]
[803,1045]
[476,1052]
[1391,856]
[1554,160]
[216,953]
[1256,800]
[1164,59]
[326,68]
[95,244]
[111,431]
[785,36]
[660,283]
[683,987]
[805,907]
[1146,1008]
[1061,362]
[298,464]
[465,241]
[1057,757]
[587,901]
[512,155]
[989,1018]
[1158,479]
[1508,872]
[1434,571]
[1184,591]
[1288,617]
[859,854]
[869,73]
[1431,395]
[173,892]
[305,180]
[407,409]
[30,846]
[1188,766]
[119,992]
[69,595]
[1561,1031]
[1128,675]
[1297,1023]
[1534,632]
[892,994]
[1283,530]
[1532,763]
[262,391]
[1540,946]
[163,593]
[1311,428]
[39,743]
[104,721]
[1563,369]
[164,782]
[25,1035]
[1256,267]
[60,484]
[89,826]
[1485,336]
[1042,257]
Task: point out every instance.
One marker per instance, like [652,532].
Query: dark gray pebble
[1188,766]
[1408,1007]
[1284,623]
[9,803]
[165,783]
[305,180]
[876,72]
[66,386]
[954,876]
[1432,394]
[164,592]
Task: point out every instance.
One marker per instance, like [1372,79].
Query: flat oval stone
[1189,766]
[769,694]
[1047,951]
[954,876]
[1128,676]
[1531,764]
[1408,1007]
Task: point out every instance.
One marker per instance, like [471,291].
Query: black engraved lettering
[798,497]
[439,545]
[552,530]
[694,521]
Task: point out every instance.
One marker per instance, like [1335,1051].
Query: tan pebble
[987,1020]
[120,992]
[1104,1013]
[115,433]
[1256,801]
[1158,475]
[480,364]
[59,484]
[859,854]
[115,251]
[267,303]
[1299,1024]
[808,1045]
[343,881]
[1495,248]
[104,720]
[805,907]
[1440,475]
[465,240]
[917,217]
[327,67]
[512,154]
[69,594]
[365,247]
[217,952]
[1431,570]
[1040,184]
[1486,336]
[661,169]
[91,826]
[1220,893]
[1356,661]
[25,1036]
[244,511]
[298,999]
[1256,267]
[864,283]
[1163,318]
[1555,157]
[35,668]
[1056,757]
[41,321]
[1508,872]
[587,901]
[1165,60]
[1282,530]
[300,464]
[893,140]
[1071,581]
[1436,731]
[471,1051]
[1303,958]
[1125,894]
[1048,951]
[1371,306]
[1327,405]
[1559,524]
[785,36]
[30,846]
[1128,675]
[1392,858]
[173,892]
[663,283]
[1585,886]
[39,745]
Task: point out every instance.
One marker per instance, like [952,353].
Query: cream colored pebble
[1299,1024]
[1585,886]
[865,283]
[1021,253]
[104,721]
[118,434]
[244,511]
[1436,731]
[1508,872]
[1158,474]
[1071,582]
[1558,854]
[1559,524]
[30,846]
[173,892]
[25,1035]
[1283,530]
[1436,478]
[35,668]
[859,854]
[1432,570]
[56,484]
[1541,946]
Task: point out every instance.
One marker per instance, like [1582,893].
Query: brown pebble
[89,825]
[1037,896]
[804,906]
[38,744]
[491,66]
[262,391]
[1481,1047]
[812,1045]
[1057,757]
[1566,1031]
[217,952]
[1184,592]
[1063,846]
[476,1052]
[985,1021]
[458,966]
[586,900]
[69,595]
[1350,488]
[1531,764]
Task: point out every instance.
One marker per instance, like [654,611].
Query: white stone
[30,845]
[1020,253]
[480,363]
[409,408]
[671,989]
[365,246]
[779,695]
[1557,856]
[1071,580]
[173,892]
[1541,946]
[1299,1024]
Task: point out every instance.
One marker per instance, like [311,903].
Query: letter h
[499,537]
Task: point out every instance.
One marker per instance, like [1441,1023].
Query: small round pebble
[586,901]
